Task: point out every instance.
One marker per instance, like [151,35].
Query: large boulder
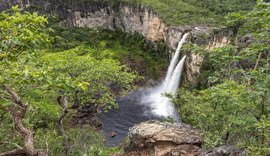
[154,138]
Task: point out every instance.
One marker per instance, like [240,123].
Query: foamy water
[160,104]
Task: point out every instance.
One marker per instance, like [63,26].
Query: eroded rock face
[128,19]
[142,20]
[153,138]
[131,19]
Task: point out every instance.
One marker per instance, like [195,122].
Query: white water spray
[174,60]
[175,78]
[160,104]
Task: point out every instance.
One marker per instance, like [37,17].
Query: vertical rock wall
[139,19]
[130,19]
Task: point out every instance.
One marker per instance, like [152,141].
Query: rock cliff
[137,19]
[131,19]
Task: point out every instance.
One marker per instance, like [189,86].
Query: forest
[50,71]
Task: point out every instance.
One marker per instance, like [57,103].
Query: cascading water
[175,78]
[143,104]
[174,60]
[159,103]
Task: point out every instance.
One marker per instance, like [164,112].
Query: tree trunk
[257,62]
[27,134]
[18,111]
[63,103]
[17,152]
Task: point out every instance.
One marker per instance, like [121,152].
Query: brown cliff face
[139,19]
[130,19]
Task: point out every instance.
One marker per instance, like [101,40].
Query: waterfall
[174,60]
[160,104]
[175,78]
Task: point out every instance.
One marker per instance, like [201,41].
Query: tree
[27,69]
[19,34]
[234,105]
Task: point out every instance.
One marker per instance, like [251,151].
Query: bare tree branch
[18,111]
[5,97]
[245,75]
[18,146]
[16,99]
[257,62]
[16,152]
[64,104]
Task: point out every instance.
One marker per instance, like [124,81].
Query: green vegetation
[191,12]
[195,12]
[84,140]
[134,51]
[175,12]
[40,72]
[44,69]
[232,102]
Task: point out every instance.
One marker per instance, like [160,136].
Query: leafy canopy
[39,76]
[233,105]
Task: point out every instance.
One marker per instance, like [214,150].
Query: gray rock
[162,138]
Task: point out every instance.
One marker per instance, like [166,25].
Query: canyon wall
[131,19]
[142,20]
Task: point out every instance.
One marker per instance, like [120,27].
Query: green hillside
[193,12]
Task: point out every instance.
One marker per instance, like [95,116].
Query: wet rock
[153,138]
[87,115]
[113,134]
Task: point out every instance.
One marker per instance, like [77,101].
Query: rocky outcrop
[220,39]
[128,19]
[210,41]
[153,138]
